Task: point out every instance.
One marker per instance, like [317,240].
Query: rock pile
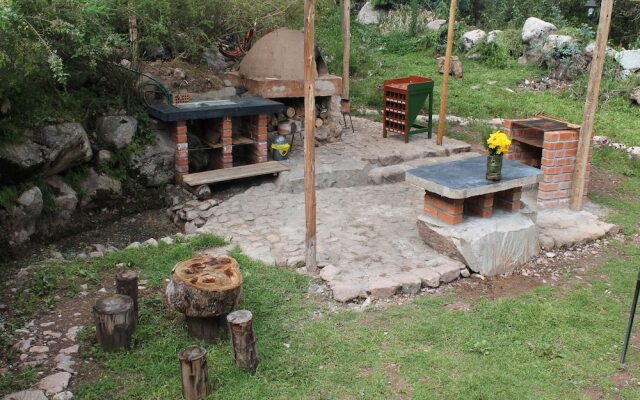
[193,214]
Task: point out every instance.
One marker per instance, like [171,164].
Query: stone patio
[368,242]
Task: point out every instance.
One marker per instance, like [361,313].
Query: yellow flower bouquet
[498,143]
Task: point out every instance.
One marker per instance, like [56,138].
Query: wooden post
[127,284]
[114,319]
[309,136]
[346,46]
[442,119]
[243,338]
[133,37]
[193,371]
[590,106]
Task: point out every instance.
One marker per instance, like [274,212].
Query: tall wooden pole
[442,119]
[309,136]
[590,105]
[346,46]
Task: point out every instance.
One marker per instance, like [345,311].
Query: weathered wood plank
[228,174]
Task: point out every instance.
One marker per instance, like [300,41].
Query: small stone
[150,242]
[24,345]
[478,276]
[84,286]
[103,290]
[191,215]
[550,254]
[63,396]
[64,363]
[167,240]
[56,255]
[47,324]
[39,349]
[281,262]
[204,206]
[72,333]
[134,245]
[465,273]
[52,334]
[71,349]
[55,383]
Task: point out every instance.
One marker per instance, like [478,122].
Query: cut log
[114,318]
[319,122]
[243,338]
[194,373]
[203,289]
[290,112]
[127,284]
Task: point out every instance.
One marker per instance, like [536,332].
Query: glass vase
[494,167]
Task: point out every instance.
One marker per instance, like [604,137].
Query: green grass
[547,344]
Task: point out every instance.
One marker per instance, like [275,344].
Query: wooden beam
[346,46]
[590,106]
[442,119]
[309,136]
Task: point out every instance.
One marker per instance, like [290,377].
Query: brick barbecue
[551,145]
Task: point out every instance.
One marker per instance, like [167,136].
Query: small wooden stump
[114,318]
[194,374]
[243,338]
[127,284]
[205,290]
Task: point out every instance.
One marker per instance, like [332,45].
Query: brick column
[481,206]
[227,142]
[258,132]
[557,165]
[509,199]
[181,150]
[443,208]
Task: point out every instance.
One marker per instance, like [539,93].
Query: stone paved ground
[367,236]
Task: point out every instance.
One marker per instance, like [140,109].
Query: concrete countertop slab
[462,179]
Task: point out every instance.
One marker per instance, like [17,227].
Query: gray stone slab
[465,178]
[489,246]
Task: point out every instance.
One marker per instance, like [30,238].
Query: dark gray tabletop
[234,108]
[466,178]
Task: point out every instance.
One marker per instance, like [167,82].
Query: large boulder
[65,198]
[489,246]
[629,60]
[216,61]
[20,161]
[45,151]
[99,187]
[590,48]
[154,163]
[553,42]
[436,24]
[535,29]
[67,145]
[24,216]
[472,38]
[368,15]
[116,132]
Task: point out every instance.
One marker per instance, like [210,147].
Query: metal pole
[634,305]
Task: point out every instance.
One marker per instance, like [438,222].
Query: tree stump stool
[243,338]
[193,371]
[115,321]
[127,284]
[205,290]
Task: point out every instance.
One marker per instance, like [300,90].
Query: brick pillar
[481,206]
[181,150]
[258,132]
[509,199]
[443,208]
[557,165]
[227,142]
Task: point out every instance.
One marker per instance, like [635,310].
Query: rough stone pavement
[367,237]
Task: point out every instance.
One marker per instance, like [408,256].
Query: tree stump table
[205,290]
